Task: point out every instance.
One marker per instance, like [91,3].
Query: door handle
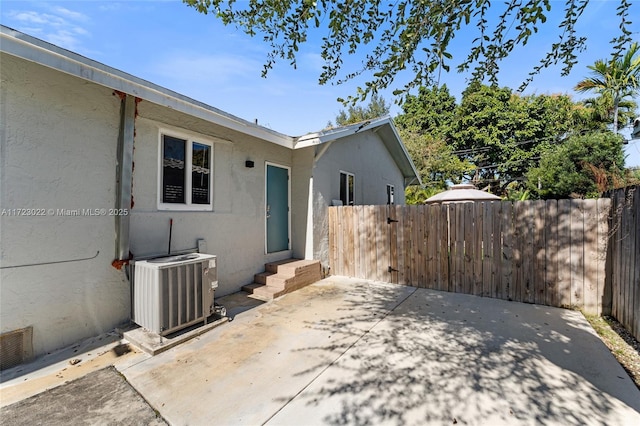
[268,211]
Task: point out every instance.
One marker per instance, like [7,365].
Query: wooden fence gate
[546,252]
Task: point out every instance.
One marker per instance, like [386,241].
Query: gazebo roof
[461,193]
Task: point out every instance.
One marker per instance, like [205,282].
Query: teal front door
[277,208]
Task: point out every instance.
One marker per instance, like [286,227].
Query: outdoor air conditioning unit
[174,292]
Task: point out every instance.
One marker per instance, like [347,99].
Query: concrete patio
[347,351]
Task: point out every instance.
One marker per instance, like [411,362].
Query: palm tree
[601,110]
[619,78]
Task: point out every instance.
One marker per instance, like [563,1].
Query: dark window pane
[200,174]
[351,200]
[343,189]
[173,170]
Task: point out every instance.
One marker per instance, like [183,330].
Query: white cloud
[32,17]
[70,14]
[59,25]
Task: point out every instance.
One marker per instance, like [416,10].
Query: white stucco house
[92,175]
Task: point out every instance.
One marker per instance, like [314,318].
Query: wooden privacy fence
[624,254]
[546,252]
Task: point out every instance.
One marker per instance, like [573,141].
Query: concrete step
[266,293]
[250,288]
[283,277]
[289,266]
[261,278]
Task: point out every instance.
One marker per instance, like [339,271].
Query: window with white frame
[390,191]
[347,183]
[186,175]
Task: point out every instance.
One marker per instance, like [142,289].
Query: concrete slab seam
[340,356]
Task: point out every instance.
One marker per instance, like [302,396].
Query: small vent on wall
[16,347]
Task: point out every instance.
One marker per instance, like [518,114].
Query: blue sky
[172,45]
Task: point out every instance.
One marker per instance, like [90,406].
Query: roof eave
[35,50]
[391,139]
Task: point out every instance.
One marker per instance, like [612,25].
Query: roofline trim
[38,51]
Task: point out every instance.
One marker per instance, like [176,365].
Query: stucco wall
[235,229]
[366,157]
[302,207]
[58,152]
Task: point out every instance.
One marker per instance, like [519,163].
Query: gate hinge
[392,270]
[389,220]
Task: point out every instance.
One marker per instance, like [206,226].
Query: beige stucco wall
[367,158]
[59,153]
[58,150]
[235,229]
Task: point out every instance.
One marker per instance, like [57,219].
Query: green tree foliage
[580,166]
[417,36]
[430,112]
[493,137]
[616,79]
[418,195]
[504,134]
[600,112]
[377,107]
[435,160]
[425,120]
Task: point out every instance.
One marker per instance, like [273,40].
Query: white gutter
[32,49]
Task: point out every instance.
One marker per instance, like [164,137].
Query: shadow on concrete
[452,358]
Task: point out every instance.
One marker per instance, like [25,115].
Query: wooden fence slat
[385,246]
[528,295]
[426,255]
[340,231]
[629,245]
[469,246]
[418,223]
[399,215]
[623,259]
[477,248]
[496,264]
[433,263]
[333,243]
[604,259]
[393,243]
[564,253]
[408,241]
[364,231]
[487,249]
[635,307]
[507,251]
[590,258]
[358,225]
[350,253]
[551,253]
[539,252]
[613,253]
[459,208]
[577,254]
[423,237]
[370,251]
[443,247]
[518,240]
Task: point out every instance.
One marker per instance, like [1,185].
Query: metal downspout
[124,174]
